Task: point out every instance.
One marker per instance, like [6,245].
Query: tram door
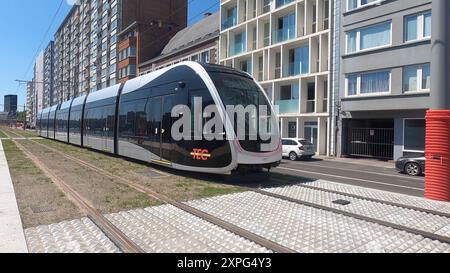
[154,112]
[159,112]
[166,128]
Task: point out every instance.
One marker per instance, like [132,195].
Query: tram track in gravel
[270,245]
[260,240]
[117,237]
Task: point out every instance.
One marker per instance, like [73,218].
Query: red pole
[437,153]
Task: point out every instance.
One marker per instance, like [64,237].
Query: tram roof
[78,101]
[136,83]
[65,105]
[106,93]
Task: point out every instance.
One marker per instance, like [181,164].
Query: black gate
[372,142]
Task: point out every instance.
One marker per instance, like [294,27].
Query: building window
[414,135]
[126,53]
[246,66]
[194,58]
[311,98]
[289,99]
[127,71]
[298,62]
[113,25]
[369,37]
[266,5]
[368,83]
[418,27]
[231,18]
[285,30]
[239,44]
[354,4]
[416,78]
[205,57]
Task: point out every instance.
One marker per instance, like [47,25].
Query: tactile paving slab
[166,229]
[406,217]
[77,236]
[383,195]
[306,229]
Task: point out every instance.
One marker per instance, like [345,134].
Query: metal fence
[372,142]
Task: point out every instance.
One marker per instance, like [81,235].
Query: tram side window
[75,122]
[133,120]
[61,122]
[51,122]
[95,123]
[109,116]
[44,122]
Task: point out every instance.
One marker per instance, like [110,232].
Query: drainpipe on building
[437,151]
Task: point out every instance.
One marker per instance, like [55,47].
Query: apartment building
[66,57]
[30,115]
[144,37]
[382,79]
[48,96]
[197,43]
[86,43]
[285,45]
[38,84]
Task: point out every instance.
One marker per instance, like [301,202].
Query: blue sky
[23,24]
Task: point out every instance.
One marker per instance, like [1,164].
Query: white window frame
[358,85]
[419,75]
[358,38]
[420,27]
[404,127]
[360,6]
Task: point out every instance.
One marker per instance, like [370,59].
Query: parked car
[411,165]
[297,148]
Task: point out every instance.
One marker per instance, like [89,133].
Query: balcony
[310,106]
[282,35]
[294,69]
[237,49]
[288,106]
[280,3]
[229,22]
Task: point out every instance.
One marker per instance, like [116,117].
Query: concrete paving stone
[305,229]
[392,214]
[445,231]
[166,229]
[12,238]
[383,195]
[77,236]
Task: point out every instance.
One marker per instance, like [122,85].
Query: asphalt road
[387,179]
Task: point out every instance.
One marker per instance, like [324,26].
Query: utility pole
[440,55]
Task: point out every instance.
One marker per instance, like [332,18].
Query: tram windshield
[235,90]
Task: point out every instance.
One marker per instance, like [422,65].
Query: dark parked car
[411,165]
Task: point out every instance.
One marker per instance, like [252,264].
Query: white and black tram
[134,120]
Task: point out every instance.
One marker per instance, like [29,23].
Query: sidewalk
[12,239]
[360,161]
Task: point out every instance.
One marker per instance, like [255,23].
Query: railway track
[124,243]
[260,240]
[270,245]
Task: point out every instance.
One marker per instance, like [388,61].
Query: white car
[297,148]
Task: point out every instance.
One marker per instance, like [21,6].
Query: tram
[135,120]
